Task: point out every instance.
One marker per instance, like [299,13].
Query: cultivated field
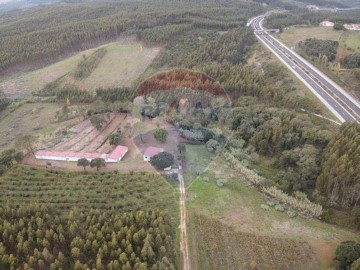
[124,61]
[229,222]
[65,190]
[349,42]
[84,137]
[32,118]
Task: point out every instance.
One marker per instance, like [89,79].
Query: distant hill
[22,4]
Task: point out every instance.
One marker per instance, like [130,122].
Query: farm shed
[152,151]
[116,155]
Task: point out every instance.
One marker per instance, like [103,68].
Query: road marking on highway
[310,84]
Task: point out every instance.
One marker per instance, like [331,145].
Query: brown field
[221,247]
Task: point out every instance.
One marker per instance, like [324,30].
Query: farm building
[116,155]
[152,151]
[326,24]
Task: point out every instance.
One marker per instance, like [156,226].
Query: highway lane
[341,105]
[350,102]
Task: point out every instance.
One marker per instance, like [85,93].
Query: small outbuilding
[152,151]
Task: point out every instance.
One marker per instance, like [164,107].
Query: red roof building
[116,155]
[152,151]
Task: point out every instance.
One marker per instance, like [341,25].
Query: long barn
[115,156]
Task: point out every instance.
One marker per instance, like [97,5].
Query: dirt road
[184,249]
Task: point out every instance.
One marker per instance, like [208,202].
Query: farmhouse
[152,151]
[116,155]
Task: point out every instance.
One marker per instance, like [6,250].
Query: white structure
[327,24]
[115,156]
[353,27]
[152,151]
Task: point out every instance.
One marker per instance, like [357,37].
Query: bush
[291,213]
[212,145]
[220,182]
[280,208]
[160,135]
[115,138]
[162,160]
[346,253]
[271,203]
[97,163]
[265,207]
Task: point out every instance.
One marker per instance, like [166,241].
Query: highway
[340,103]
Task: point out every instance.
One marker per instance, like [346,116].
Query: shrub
[160,135]
[280,208]
[192,135]
[271,203]
[212,145]
[115,138]
[220,182]
[162,160]
[265,207]
[291,213]
[346,253]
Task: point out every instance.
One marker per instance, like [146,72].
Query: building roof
[67,154]
[153,151]
[118,152]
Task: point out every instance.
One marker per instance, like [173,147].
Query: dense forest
[47,33]
[351,60]
[35,237]
[340,173]
[317,48]
[293,139]
[306,17]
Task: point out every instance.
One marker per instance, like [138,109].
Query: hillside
[123,62]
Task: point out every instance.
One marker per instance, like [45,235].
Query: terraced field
[65,190]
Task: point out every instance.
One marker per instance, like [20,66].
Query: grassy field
[229,230]
[124,61]
[65,190]
[198,159]
[349,42]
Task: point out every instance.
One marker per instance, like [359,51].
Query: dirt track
[184,248]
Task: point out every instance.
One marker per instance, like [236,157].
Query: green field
[229,222]
[198,159]
[122,64]
[66,190]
